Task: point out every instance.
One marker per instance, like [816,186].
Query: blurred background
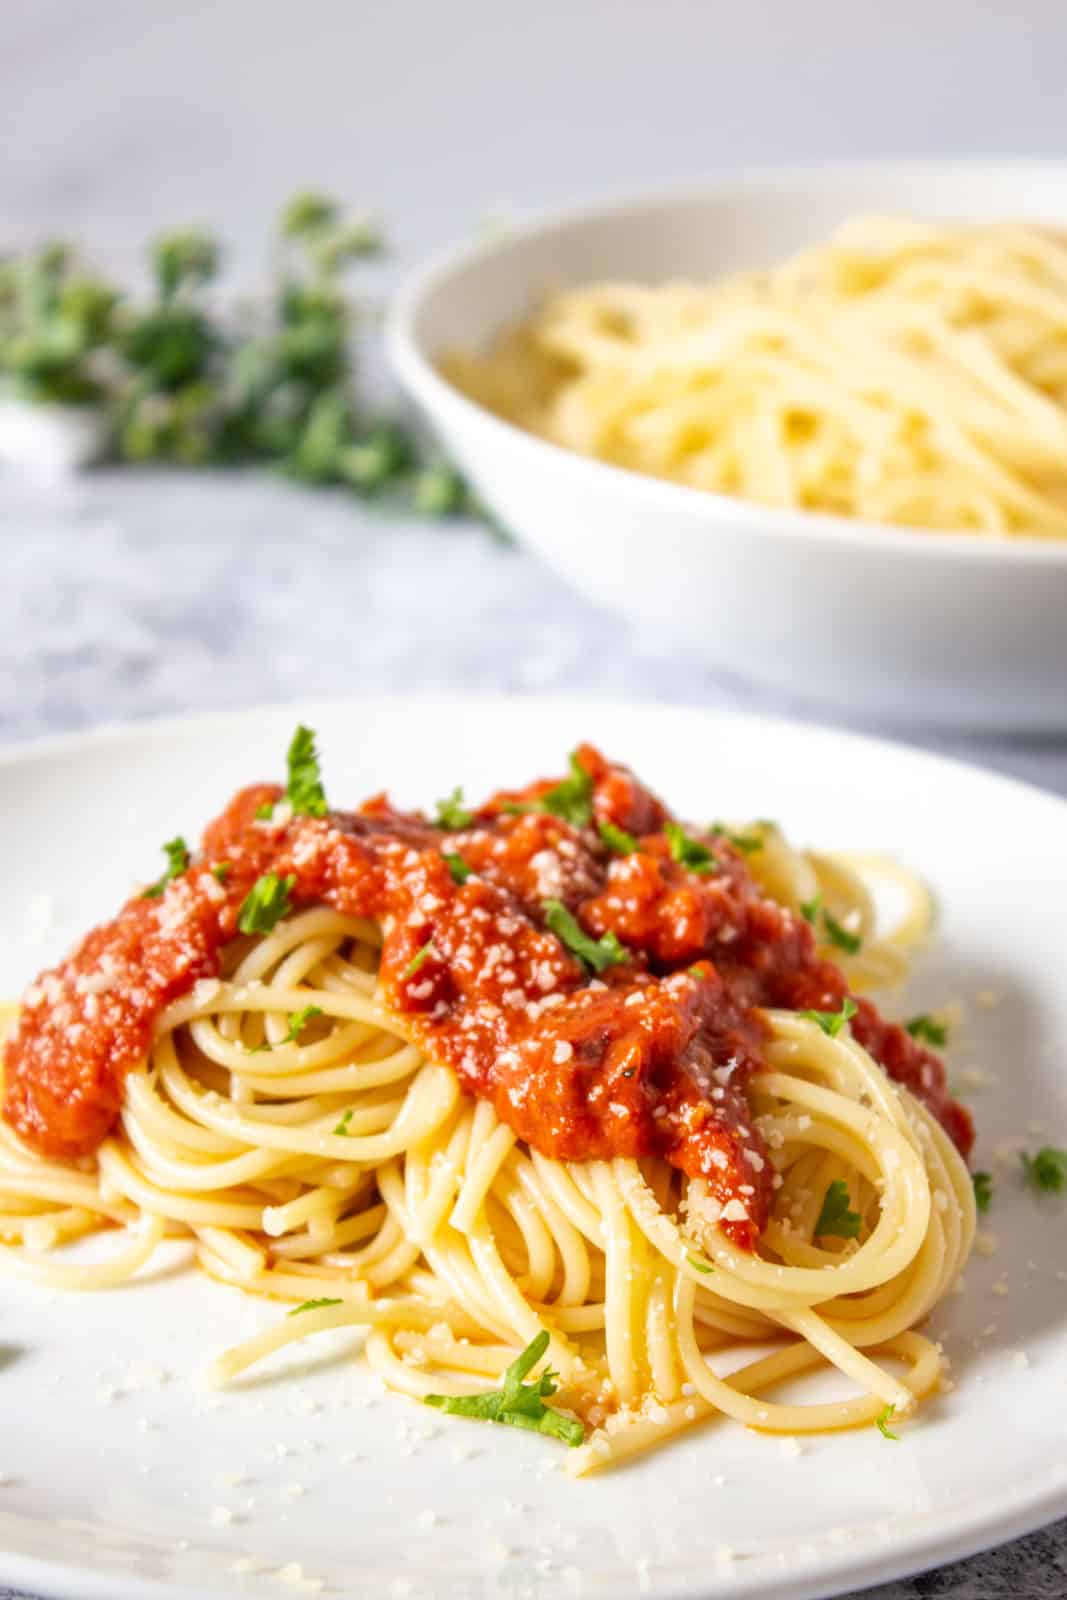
[135,591]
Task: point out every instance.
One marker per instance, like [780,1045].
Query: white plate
[118,1457]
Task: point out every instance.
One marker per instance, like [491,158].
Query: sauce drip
[651,1057]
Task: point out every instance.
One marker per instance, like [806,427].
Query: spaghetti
[317,1107]
[900,372]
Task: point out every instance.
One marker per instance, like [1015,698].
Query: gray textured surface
[127,598]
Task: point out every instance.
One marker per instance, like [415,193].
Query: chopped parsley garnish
[304,790]
[298,1021]
[596,953]
[1047,1170]
[747,843]
[452,814]
[341,1129]
[457,866]
[840,935]
[313,1305]
[571,798]
[700,1266]
[617,839]
[809,909]
[882,1421]
[831,1022]
[927,1029]
[266,903]
[517,1404]
[835,1217]
[177,854]
[983,1189]
[419,959]
[221,870]
[264,811]
[689,852]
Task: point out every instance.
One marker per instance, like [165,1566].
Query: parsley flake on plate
[983,1190]
[831,1022]
[452,814]
[177,853]
[928,1030]
[266,903]
[689,852]
[517,1404]
[298,1021]
[835,1218]
[841,936]
[457,866]
[1047,1170]
[313,1305]
[882,1421]
[618,841]
[419,959]
[599,954]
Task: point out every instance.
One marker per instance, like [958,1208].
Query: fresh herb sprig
[598,954]
[517,1404]
[172,377]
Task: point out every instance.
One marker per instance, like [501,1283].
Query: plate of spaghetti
[455,1079]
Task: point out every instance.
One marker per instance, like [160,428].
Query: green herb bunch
[183,379]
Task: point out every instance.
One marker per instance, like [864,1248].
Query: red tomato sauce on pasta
[650,1057]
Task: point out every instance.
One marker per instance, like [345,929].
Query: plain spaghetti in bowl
[581,1112]
[900,372]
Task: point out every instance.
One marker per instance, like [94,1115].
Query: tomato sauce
[649,1056]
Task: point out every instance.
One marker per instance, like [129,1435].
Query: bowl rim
[425,383]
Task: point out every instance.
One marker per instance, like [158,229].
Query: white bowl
[893,623]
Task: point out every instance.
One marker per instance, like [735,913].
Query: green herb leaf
[831,1022]
[928,1029]
[1047,1170]
[418,960]
[596,953]
[809,909]
[882,1421]
[617,839]
[177,853]
[698,1265]
[840,935]
[835,1217]
[747,843]
[304,789]
[221,870]
[298,1021]
[313,1305]
[689,852]
[983,1189]
[265,810]
[572,797]
[452,814]
[517,1404]
[457,866]
[341,1129]
[266,903]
